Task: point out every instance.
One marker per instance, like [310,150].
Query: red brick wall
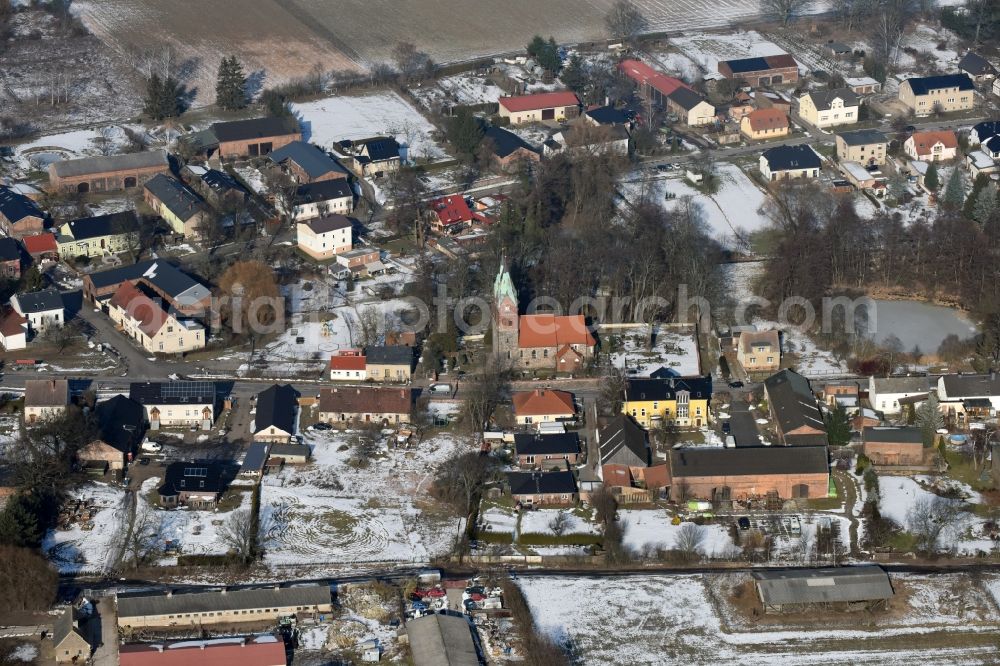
[895,453]
[701,487]
[230,149]
[105,181]
[548,462]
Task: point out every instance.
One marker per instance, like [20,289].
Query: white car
[151,447]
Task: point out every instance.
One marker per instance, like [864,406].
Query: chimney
[158,648]
[170,593]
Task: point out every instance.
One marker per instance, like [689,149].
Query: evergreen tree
[536,46]
[931,180]
[574,77]
[981,181]
[465,133]
[19,524]
[985,205]
[230,90]
[838,428]
[954,191]
[163,98]
[929,419]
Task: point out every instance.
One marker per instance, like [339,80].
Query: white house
[953,390]
[829,108]
[938,146]
[43,309]
[327,197]
[13,331]
[324,237]
[885,393]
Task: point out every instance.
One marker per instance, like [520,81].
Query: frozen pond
[919,324]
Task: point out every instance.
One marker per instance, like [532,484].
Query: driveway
[104,634]
[742,425]
[139,365]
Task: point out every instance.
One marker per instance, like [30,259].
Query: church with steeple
[562,343]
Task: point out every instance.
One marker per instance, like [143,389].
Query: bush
[540,539]
[505,538]
[202,560]
[863,463]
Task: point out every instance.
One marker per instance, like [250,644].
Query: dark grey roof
[975,64]
[324,190]
[971,386]
[176,196]
[172,393]
[623,442]
[863,137]
[255,128]
[915,384]
[808,586]
[15,206]
[506,142]
[255,458]
[164,276]
[378,148]
[64,625]
[441,640]
[986,129]
[89,165]
[40,301]
[685,98]
[794,406]
[221,182]
[142,605]
[923,85]
[992,144]
[327,223]
[748,461]
[10,249]
[744,65]
[389,355]
[103,225]
[541,483]
[893,435]
[280,450]
[822,99]
[311,159]
[121,421]
[667,388]
[607,115]
[202,477]
[783,158]
[276,406]
[536,444]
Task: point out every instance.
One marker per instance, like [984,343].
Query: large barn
[847,588]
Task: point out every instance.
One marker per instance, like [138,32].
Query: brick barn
[894,445]
[738,473]
[113,173]
[19,215]
[760,72]
[256,137]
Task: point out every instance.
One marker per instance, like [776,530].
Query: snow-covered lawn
[499,520]
[330,511]
[707,49]
[654,529]
[89,551]
[333,119]
[540,521]
[729,215]
[464,88]
[675,350]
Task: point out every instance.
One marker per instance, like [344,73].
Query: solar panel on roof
[187,389]
[196,471]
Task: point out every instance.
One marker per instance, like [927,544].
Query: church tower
[504,314]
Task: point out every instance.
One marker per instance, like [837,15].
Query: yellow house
[99,236]
[681,401]
[155,329]
[947,93]
[764,124]
[177,204]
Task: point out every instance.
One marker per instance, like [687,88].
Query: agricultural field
[704,620]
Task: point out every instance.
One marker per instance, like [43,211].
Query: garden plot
[92,546]
[898,494]
[925,40]
[674,350]
[500,521]
[654,530]
[813,361]
[673,619]
[540,521]
[333,512]
[729,215]
[333,119]
[707,49]
[465,89]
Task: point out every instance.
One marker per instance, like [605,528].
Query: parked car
[322,426]
[736,384]
[726,428]
[152,447]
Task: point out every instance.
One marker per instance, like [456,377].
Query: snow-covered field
[89,551]
[539,521]
[729,215]
[675,350]
[653,529]
[673,620]
[332,119]
[331,512]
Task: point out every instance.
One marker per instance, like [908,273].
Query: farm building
[539,107]
[670,93]
[256,137]
[121,422]
[113,173]
[441,640]
[217,187]
[177,204]
[372,157]
[365,404]
[734,473]
[865,587]
[68,641]
[308,163]
[225,606]
[19,215]
[793,407]
[761,72]
[889,446]
[509,149]
[264,650]
[45,398]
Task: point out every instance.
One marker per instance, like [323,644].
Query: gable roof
[862,137]
[547,330]
[505,142]
[667,388]
[623,442]
[748,461]
[365,400]
[255,458]
[921,85]
[103,225]
[893,434]
[643,74]
[784,158]
[376,148]
[173,393]
[808,586]
[976,65]
[202,476]
[541,483]
[745,65]
[143,604]
[46,392]
[685,98]
[607,115]
[11,323]
[64,626]
[389,355]
[149,314]
[120,420]
[914,384]
[220,182]
[15,206]
[176,196]
[823,99]
[276,406]
[324,190]
[39,301]
[537,444]
[541,402]
[10,249]
[310,158]
[253,651]
[750,338]
[327,223]
[92,165]
[453,209]
[166,277]
[924,141]
[255,128]
[986,129]
[767,119]
[794,406]
[971,386]
[40,243]
[539,101]
[441,640]
[355,361]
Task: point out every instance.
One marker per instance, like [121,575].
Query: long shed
[851,588]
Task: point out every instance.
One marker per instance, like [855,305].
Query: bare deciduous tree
[784,10]
[689,541]
[929,519]
[559,523]
[625,22]
[245,535]
[141,538]
[484,394]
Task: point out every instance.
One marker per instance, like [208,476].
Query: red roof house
[41,245]
[539,101]
[453,214]
[645,75]
[542,405]
[262,651]
[348,364]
